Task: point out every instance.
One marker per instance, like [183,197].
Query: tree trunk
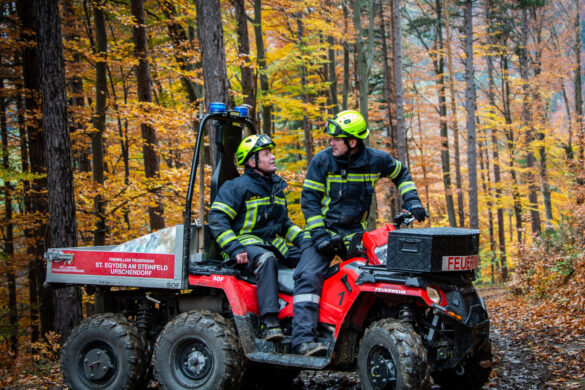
[528,126]
[332,77]
[261,60]
[215,78]
[455,126]
[35,199]
[151,161]
[484,167]
[470,107]
[388,94]
[75,83]
[99,123]
[496,158]
[364,54]
[62,223]
[247,76]
[540,135]
[8,251]
[304,95]
[578,81]
[179,38]
[510,142]
[397,68]
[439,61]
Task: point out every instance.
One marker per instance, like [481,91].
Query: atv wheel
[198,350]
[472,375]
[392,356]
[104,352]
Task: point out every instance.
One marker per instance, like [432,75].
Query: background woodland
[482,99]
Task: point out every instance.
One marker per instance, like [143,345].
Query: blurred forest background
[482,99]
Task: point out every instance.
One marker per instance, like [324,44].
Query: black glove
[325,248]
[418,212]
[332,247]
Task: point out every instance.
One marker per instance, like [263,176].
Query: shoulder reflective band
[225,208]
[396,170]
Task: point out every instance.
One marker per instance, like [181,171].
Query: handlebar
[404,218]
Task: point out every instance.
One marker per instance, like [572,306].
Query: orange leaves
[554,332]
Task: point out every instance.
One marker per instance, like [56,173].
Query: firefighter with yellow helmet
[335,201]
[249,220]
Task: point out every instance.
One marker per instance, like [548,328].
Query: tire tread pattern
[223,330]
[415,369]
[121,328]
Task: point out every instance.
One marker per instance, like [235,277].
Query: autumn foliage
[529,117]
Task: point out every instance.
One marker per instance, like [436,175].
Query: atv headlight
[433,295]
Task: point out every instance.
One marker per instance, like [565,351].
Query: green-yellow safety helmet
[349,123]
[252,144]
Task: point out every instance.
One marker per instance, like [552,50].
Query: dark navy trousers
[309,277]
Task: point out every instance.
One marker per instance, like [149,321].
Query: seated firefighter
[249,219]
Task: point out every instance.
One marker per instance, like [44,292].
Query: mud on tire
[198,350]
[392,356]
[104,352]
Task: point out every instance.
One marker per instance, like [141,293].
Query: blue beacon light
[217,108]
[243,111]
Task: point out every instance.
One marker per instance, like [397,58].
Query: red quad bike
[402,308]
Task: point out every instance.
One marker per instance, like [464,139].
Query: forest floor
[537,344]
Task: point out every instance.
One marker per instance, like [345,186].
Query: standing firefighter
[249,219]
[336,199]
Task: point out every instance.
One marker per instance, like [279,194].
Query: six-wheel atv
[402,308]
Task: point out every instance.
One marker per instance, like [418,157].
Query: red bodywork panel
[339,291]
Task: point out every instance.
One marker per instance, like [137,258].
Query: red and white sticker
[96,263]
[460,263]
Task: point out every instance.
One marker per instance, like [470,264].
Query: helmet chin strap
[349,148]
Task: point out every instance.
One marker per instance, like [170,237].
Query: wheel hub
[194,360]
[382,369]
[97,364]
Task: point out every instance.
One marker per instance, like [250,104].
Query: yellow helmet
[252,144]
[349,123]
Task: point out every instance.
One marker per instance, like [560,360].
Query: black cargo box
[433,249]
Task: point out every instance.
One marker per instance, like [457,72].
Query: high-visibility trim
[280,244]
[280,201]
[249,239]
[226,237]
[225,208]
[314,185]
[300,298]
[315,222]
[258,202]
[396,170]
[292,233]
[406,186]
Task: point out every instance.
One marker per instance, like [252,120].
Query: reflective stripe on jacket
[336,195]
[252,210]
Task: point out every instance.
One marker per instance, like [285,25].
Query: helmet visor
[262,142]
[333,129]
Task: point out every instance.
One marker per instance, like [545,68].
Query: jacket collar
[269,180]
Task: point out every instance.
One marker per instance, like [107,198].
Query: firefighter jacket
[337,192]
[251,210]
